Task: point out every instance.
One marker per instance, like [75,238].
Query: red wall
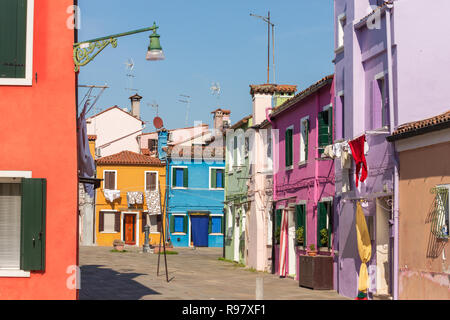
[38,134]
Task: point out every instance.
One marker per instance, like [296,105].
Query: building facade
[304,182]
[132,194]
[38,187]
[378,85]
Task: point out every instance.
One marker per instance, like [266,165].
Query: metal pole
[268,48]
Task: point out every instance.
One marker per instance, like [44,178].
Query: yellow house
[122,210]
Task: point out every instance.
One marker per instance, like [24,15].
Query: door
[200,224]
[236,235]
[292,263]
[129,227]
[383,257]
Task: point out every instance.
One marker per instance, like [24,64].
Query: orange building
[38,151]
[119,215]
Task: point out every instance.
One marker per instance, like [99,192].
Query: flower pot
[312,253]
[119,247]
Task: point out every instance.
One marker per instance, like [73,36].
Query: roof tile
[129,158]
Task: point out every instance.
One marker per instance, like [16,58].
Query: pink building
[304,179]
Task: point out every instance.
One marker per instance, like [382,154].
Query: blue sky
[204,42]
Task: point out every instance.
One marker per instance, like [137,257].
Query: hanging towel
[346,161]
[328,152]
[357,147]
[337,149]
[364,248]
[135,197]
[111,195]
[153,202]
[86,164]
[283,243]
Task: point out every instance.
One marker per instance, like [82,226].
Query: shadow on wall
[435,245]
[99,283]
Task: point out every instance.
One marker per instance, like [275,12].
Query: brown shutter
[153,181]
[159,222]
[117,222]
[144,220]
[112,180]
[106,180]
[101,221]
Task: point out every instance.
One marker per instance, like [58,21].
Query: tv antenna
[269,24]
[186,100]
[216,90]
[129,66]
[155,106]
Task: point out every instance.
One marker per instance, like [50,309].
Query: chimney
[221,119]
[136,106]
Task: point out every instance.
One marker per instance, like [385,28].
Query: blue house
[196,195]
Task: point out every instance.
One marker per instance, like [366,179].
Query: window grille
[440,214]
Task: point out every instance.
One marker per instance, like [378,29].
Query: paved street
[193,274]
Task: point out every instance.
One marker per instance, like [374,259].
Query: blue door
[200,225]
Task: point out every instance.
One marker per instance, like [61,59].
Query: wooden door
[129,228]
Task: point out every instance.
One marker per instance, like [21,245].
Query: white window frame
[340,33]
[15,273]
[446,186]
[28,80]
[115,179]
[154,215]
[189,223]
[108,211]
[145,179]
[384,112]
[216,215]
[171,182]
[291,167]
[210,172]
[302,141]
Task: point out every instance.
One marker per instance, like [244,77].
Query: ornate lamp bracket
[85,52]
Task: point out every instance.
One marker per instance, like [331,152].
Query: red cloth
[357,147]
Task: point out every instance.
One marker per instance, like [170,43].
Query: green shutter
[321,221]
[288,147]
[32,253]
[323,130]
[222,225]
[301,219]
[185,177]
[13,20]
[210,225]
[213,178]
[172,224]
[330,125]
[306,138]
[185,224]
[223,178]
[278,218]
[330,221]
[174,177]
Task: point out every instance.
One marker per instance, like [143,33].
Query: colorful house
[303,181]
[237,173]
[38,222]
[424,207]
[381,82]
[122,206]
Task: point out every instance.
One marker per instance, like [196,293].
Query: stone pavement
[194,274]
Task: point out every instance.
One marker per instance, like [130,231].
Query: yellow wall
[92,148]
[129,178]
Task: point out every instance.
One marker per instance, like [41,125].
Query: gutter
[389,7]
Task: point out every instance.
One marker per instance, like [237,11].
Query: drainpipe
[316,171]
[390,6]
[274,193]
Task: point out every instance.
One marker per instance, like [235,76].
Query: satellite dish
[158,122]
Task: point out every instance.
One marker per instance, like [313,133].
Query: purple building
[303,182]
[389,70]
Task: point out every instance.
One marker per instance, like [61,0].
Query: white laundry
[337,149]
[345,180]
[111,195]
[366,148]
[135,197]
[153,202]
[346,162]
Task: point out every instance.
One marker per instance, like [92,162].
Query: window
[300,234]
[324,224]
[155,222]
[215,224]
[340,31]
[109,222]
[178,223]
[325,128]
[151,181]
[179,177]
[246,146]
[216,178]
[380,106]
[288,146]
[342,99]
[109,182]
[153,146]
[269,157]
[440,219]
[22,224]
[304,139]
[278,216]
[230,152]
[16,38]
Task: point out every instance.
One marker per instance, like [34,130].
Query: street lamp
[84,52]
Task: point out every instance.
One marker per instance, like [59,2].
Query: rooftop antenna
[155,106]
[187,100]
[216,91]
[129,66]
[269,24]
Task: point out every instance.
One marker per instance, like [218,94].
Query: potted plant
[324,237]
[312,250]
[299,233]
[118,245]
